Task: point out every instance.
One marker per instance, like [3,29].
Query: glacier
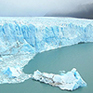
[22,38]
[65,81]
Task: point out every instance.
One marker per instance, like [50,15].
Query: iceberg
[22,38]
[69,81]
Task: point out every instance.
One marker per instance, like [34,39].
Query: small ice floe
[67,81]
[12,72]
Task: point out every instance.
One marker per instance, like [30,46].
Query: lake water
[79,56]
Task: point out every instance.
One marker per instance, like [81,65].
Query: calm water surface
[78,56]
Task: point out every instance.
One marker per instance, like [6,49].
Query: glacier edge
[22,38]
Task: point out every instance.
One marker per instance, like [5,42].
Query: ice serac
[68,81]
[12,72]
[22,38]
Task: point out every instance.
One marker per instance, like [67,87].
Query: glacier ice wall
[22,38]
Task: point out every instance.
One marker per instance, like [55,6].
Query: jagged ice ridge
[65,81]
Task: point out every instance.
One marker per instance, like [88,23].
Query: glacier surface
[22,38]
[66,81]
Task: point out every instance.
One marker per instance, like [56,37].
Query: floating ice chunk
[37,74]
[69,81]
[57,78]
[12,72]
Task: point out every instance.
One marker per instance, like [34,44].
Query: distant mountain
[81,11]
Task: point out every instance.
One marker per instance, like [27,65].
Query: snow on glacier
[22,38]
[66,81]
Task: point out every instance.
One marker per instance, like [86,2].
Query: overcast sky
[45,7]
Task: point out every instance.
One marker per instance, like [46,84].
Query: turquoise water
[79,56]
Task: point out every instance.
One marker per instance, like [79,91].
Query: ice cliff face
[22,38]
[35,35]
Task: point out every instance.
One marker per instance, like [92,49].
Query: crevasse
[22,38]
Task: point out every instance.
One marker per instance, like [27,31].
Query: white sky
[38,7]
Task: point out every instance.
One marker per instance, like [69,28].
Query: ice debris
[13,75]
[69,81]
[12,72]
